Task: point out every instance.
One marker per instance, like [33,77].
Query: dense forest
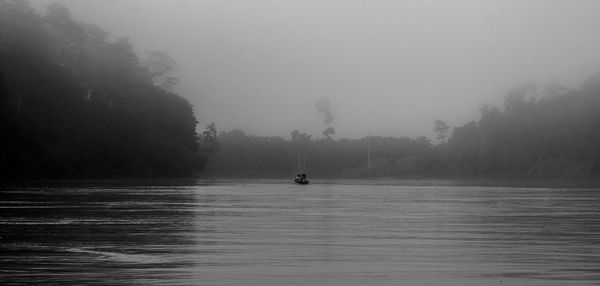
[540,133]
[75,105]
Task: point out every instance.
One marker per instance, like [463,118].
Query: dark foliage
[74,105]
[555,137]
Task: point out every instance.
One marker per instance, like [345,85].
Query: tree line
[74,104]
[273,156]
[540,133]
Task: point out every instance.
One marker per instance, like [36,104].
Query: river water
[239,233]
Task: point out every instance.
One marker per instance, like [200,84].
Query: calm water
[283,234]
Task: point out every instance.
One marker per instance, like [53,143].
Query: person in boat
[301,179]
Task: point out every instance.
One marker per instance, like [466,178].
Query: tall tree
[441,128]
[323,107]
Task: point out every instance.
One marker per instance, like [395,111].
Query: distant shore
[429,180]
[402,181]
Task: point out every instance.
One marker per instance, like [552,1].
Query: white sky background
[389,67]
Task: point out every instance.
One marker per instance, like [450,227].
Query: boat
[301,180]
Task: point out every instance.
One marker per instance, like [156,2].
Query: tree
[520,96]
[20,7]
[210,139]
[323,107]
[464,147]
[328,131]
[423,141]
[162,69]
[58,12]
[441,128]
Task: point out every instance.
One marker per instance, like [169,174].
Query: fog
[387,67]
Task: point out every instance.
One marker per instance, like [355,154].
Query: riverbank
[393,181]
[422,181]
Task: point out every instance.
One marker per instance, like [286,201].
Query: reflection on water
[285,234]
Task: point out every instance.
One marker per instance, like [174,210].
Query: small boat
[301,179]
[301,182]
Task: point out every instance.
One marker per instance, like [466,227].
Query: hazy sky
[389,67]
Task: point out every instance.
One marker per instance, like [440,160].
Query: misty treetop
[74,104]
[323,107]
[542,137]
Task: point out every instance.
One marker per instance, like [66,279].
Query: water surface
[283,234]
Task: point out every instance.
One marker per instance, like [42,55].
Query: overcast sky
[389,67]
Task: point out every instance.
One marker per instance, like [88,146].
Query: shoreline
[392,181]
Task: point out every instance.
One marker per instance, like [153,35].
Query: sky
[389,68]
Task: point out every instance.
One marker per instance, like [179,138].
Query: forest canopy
[75,105]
